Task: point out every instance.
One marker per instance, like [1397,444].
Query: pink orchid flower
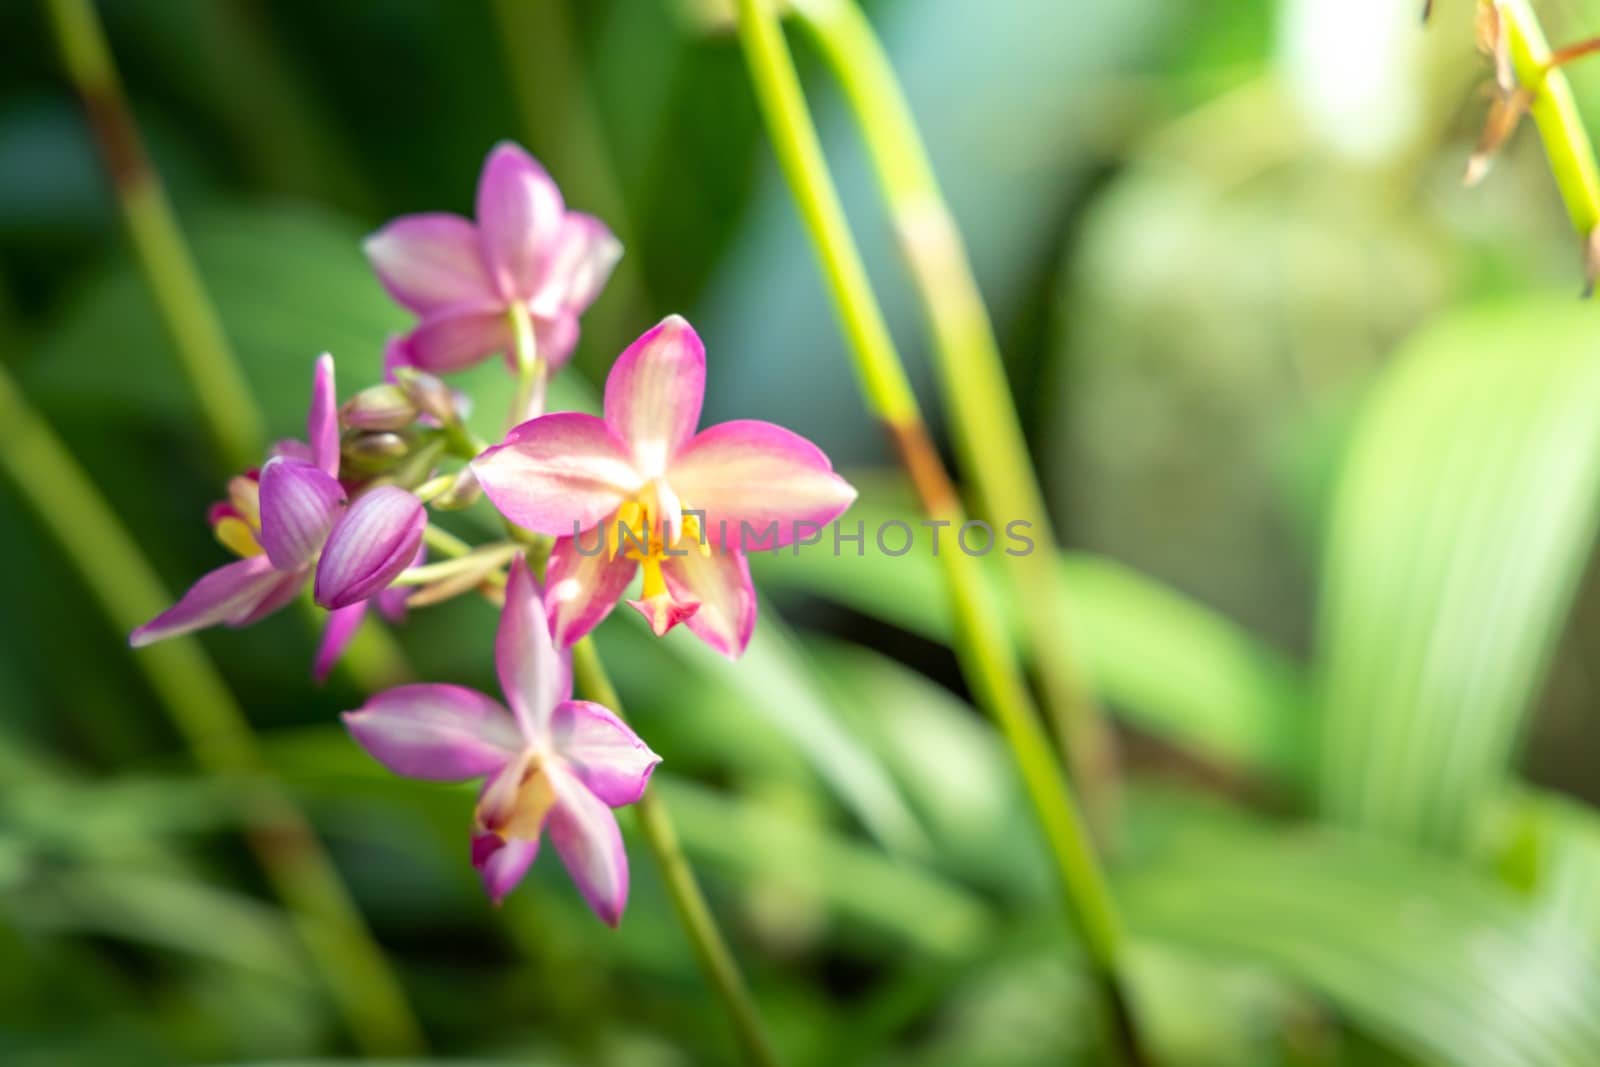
[463,279]
[681,505]
[293,523]
[550,763]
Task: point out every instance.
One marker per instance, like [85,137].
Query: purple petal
[754,474]
[519,212]
[371,543]
[654,393]
[501,863]
[396,354]
[438,733]
[458,336]
[228,596]
[299,504]
[664,611]
[336,634]
[581,589]
[429,261]
[393,600]
[556,337]
[533,674]
[557,473]
[322,421]
[602,751]
[720,581]
[588,841]
[581,258]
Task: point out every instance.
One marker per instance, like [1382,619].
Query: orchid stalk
[993,450]
[986,658]
[212,723]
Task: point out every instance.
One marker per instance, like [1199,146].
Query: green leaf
[1165,662]
[1417,951]
[1461,524]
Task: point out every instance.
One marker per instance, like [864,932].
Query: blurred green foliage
[1321,430]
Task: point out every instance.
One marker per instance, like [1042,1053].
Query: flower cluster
[638,491]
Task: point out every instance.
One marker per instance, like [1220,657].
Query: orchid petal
[654,393]
[370,544]
[336,634]
[664,611]
[396,354]
[580,260]
[322,421]
[748,477]
[602,751]
[429,261]
[556,337]
[227,596]
[557,474]
[519,211]
[456,337]
[720,581]
[299,504]
[533,674]
[581,587]
[588,841]
[502,863]
[438,733]
[286,589]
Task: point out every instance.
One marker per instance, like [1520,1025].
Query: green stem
[989,437]
[212,723]
[1555,112]
[203,351]
[716,959]
[711,950]
[528,400]
[986,657]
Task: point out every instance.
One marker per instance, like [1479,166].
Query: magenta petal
[519,212]
[557,473]
[429,261]
[602,751]
[370,544]
[392,601]
[502,863]
[322,422]
[533,674]
[299,504]
[336,634]
[458,336]
[439,733]
[556,337]
[396,354]
[586,837]
[230,595]
[754,474]
[654,393]
[581,587]
[581,258]
[721,583]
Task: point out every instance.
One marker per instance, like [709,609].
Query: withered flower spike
[1505,113]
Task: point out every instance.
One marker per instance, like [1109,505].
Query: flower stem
[528,401]
[203,351]
[993,449]
[986,658]
[716,959]
[211,721]
[1555,112]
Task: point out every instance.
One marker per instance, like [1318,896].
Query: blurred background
[1320,429]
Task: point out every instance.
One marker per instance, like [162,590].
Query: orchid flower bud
[380,407]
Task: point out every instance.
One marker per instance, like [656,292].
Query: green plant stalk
[992,447]
[212,723]
[1555,112]
[528,399]
[986,658]
[694,914]
[203,351]
[230,414]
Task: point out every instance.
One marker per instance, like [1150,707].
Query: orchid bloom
[682,506]
[549,763]
[292,522]
[464,279]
